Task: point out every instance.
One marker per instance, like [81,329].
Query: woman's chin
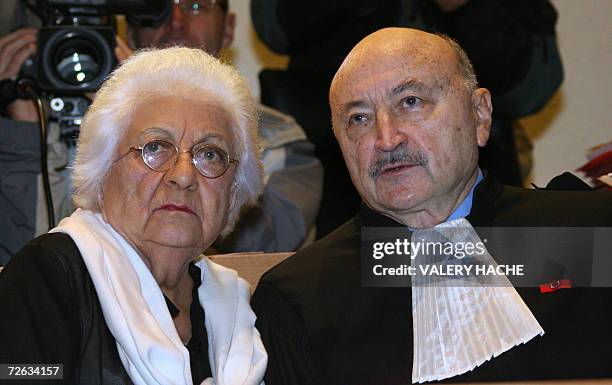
[176,236]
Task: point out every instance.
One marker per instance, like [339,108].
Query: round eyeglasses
[210,161]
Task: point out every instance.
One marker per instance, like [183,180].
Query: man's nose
[388,132]
[183,174]
[177,20]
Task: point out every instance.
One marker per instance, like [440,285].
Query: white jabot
[460,324]
[138,317]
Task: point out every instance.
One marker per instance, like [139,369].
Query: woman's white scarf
[460,324]
[138,317]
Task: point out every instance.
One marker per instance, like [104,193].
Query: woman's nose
[183,174]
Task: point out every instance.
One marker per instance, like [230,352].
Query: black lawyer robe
[321,327]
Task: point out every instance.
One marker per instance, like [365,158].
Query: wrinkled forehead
[171,117]
[376,65]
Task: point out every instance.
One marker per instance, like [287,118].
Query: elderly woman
[166,160]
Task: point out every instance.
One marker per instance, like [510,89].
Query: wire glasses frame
[194,7]
[210,161]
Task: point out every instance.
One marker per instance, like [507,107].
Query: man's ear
[481,102]
[229,29]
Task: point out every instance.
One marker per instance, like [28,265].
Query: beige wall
[580,114]
[247,52]
[577,118]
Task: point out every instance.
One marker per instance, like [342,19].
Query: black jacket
[320,326]
[51,315]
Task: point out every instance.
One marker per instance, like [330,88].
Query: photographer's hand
[15,48]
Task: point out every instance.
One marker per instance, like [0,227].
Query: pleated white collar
[460,324]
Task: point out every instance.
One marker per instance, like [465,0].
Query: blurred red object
[599,167]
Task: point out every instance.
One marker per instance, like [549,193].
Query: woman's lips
[172,207]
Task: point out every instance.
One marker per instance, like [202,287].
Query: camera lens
[76,61]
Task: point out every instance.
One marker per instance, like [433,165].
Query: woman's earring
[233,194]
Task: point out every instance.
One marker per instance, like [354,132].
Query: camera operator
[22,201]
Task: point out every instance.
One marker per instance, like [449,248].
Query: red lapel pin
[555,285]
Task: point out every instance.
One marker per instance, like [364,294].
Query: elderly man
[284,219]
[409,119]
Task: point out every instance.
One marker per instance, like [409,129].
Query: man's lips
[173,207]
[396,168]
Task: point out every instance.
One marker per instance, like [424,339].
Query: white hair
[174,72]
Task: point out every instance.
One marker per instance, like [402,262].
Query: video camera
[75,51]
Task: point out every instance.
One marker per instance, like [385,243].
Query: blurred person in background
[22,201]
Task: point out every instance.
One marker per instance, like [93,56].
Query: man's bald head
[402,41]
[409,119]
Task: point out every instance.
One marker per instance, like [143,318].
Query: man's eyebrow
[346,107]
[410,84]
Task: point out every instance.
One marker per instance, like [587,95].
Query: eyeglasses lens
[210,161]
[195,7]
[158,155]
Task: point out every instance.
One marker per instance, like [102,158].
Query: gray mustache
[398,156]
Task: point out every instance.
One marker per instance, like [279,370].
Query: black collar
[195,273]
[485,195]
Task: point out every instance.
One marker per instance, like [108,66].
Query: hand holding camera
[15,48]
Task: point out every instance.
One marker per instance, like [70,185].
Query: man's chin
[179,41]
[401,185]
[399,199]
[174,43]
